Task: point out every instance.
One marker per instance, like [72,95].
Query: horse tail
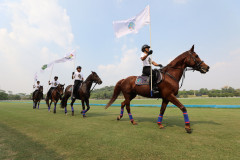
[64,100]
[117,91]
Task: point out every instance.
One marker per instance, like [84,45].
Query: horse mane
[176,60]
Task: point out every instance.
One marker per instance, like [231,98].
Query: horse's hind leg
[162,110]
[176,102]
[72,106]
[122,110]
[127,103]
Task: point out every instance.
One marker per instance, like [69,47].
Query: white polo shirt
[78,76]
[36,86]
[147,61]
[54,84]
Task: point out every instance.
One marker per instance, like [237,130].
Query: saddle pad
[142,80]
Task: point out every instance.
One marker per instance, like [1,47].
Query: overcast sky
[36,32]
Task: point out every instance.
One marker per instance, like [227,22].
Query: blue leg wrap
[160,117]
[65,109]
[130,116]
[186,119]
[121,113]
[72,109]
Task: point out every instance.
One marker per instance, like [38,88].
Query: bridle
[197,66]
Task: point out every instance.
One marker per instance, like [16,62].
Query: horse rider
[36,87]
[78,79]
[54,85]
[147,61]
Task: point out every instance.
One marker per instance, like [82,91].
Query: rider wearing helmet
[78,79]
[147,61]
[36,87]
[53,84]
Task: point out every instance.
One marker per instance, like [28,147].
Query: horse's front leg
[55,104]
[33,104]
[162,110]
[73,100]
[172,98]
[49,106]
[38,104]
[83,108]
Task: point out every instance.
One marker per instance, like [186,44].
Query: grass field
[36,134]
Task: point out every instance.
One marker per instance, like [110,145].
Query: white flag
[132,25]
[68,57]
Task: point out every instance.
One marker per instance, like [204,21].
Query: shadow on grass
[15,145]
[173,121]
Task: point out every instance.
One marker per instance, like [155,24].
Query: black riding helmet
[79,67]
[56,77]
[145,46]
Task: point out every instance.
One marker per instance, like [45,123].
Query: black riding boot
[155,89]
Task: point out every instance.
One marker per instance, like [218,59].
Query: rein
[93,87]
[195,67]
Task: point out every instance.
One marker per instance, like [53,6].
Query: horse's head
[194,61]
[41,88]
[96,78]
[60,88]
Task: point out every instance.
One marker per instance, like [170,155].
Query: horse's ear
[192,49]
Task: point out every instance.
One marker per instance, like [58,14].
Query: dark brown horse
[83,93]
[55,96]
[37,96]
[168,88]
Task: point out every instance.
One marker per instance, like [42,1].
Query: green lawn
[190,101]
[36,134]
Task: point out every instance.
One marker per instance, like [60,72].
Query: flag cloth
[68,57]
[132,25]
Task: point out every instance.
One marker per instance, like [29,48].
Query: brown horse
[83,93]
[168,88]
[37,96]
[55,96]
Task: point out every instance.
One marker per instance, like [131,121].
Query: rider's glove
[150,52]
[160,65]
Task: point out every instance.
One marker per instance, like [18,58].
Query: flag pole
[151,47]
[74,66]
[50,75]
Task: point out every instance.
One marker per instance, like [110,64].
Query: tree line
[10,96]
[226,91]
[106,93]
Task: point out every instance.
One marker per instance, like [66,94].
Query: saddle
[145,80]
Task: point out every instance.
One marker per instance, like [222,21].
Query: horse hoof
[54,112]
[134,123]
[72,113]
[84,116]
[161,126]
[118,118]
[188,130]
[66,114]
